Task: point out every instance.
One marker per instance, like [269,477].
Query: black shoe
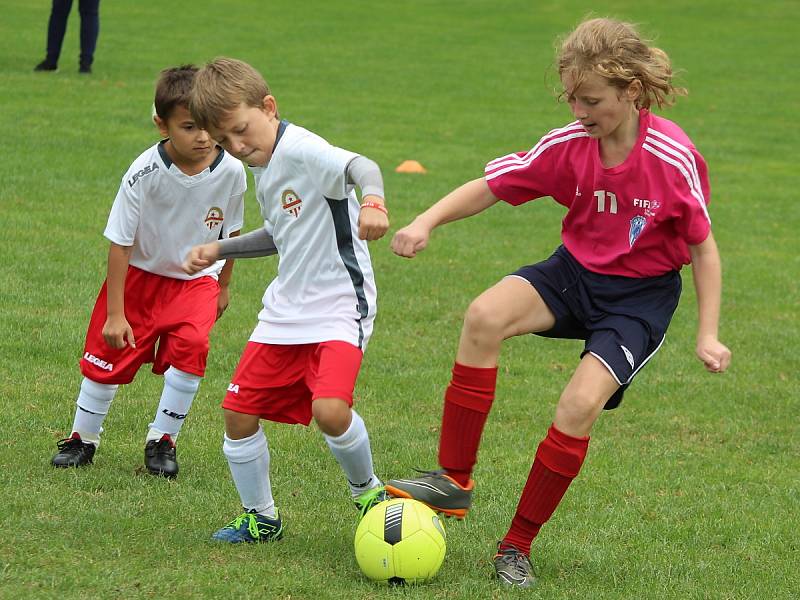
[85,69]
[160,457]
[46,65]
[73,452]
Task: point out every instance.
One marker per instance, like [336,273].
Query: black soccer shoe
[46,65]
[85,69]
[160,457]
[73,452]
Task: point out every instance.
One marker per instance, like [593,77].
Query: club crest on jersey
[214,217]
[291,203]
[637,226]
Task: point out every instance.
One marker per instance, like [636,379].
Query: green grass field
[690,490]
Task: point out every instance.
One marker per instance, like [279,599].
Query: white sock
[93,402]
[248,460]
[353,453]
[177,396]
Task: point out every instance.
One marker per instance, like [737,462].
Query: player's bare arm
[707,275]
[373,219]
[468,200]
[117,332]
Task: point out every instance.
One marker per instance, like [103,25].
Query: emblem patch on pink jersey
[637,226]
[291,203]
[214,217]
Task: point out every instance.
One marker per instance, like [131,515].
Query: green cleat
[369,499]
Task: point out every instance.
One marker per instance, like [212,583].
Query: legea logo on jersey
[146,171]
[214,217]
[291,203]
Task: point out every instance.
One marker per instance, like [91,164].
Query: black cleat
[513,568]
[73,452]
[160,457]
[46,65]
[87,69]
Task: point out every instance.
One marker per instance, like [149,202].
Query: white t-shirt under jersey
[325,288]
[162,212]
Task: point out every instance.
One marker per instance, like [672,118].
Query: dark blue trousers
[57,27]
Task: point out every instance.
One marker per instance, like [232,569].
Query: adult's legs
[90,29]
[56,28]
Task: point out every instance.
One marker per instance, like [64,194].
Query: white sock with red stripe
[248,459]
[352,452]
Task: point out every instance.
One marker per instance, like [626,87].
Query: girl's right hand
[411,239]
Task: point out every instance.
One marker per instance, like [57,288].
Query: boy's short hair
[173,88]
[221,86]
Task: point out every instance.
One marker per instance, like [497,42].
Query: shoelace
[70,443]
[519,563]
[255,528]
[370,498]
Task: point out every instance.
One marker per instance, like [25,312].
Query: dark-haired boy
[183,191]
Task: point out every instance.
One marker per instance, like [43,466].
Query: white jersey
[162,212]
[325,288]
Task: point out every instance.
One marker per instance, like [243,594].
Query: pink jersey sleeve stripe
[684,152]
[682,168]
[508,163]
[523,160]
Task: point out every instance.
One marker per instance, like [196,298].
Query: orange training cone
[410,166]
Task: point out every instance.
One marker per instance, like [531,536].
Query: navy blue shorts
[622,319]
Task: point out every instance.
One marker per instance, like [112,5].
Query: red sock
[466,406]
[558,460]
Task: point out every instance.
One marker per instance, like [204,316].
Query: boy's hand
[116,331]
[411,239]
[223,300]
[373,223]
[715,355]
[201,257]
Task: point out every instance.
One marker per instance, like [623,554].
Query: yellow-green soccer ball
[400,541]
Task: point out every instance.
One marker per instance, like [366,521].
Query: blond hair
[221,86]
[614,50]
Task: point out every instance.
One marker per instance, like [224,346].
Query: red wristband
[380,207]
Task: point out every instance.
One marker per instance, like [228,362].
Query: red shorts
[175,315]
[278,382]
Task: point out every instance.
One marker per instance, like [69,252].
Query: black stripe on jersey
[162,152]
[217,160]
[344,241]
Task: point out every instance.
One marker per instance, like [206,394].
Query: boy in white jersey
[183,191]
[636,191]
[304,355]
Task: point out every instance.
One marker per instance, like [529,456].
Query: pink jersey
[636,219]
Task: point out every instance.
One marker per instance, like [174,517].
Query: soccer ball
[400,541]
